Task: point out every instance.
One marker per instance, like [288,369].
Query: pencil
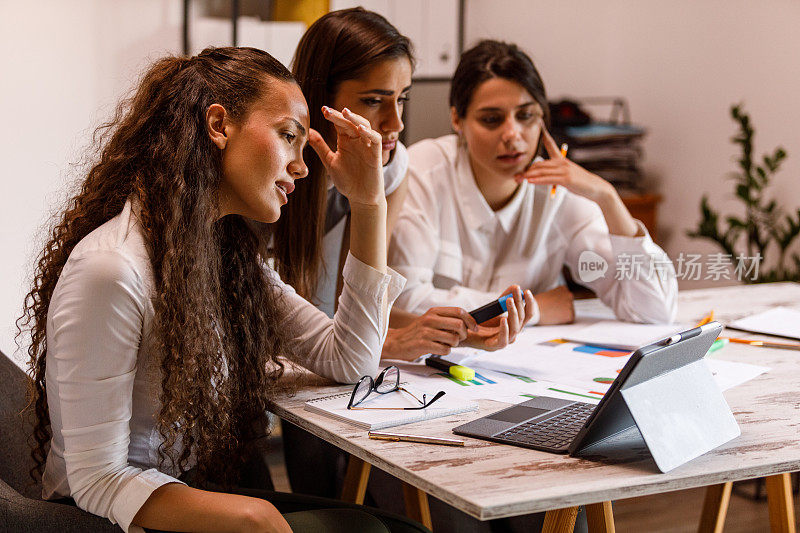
[706,319]
[765,344]
[564,148]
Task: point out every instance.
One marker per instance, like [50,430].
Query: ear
[216,123]
[455,120]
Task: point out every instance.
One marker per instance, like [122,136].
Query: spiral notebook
[335,406]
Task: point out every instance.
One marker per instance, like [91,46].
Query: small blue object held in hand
[491,310]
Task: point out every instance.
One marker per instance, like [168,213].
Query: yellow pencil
[708,318]
[564,148]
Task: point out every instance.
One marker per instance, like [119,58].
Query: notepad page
[781,321]
[336,406]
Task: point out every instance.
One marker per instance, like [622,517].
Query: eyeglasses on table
[387,381]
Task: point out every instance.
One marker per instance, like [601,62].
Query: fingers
[549,164]
[343,125]
[513,319]
[433,325]
[436,348]
[351,124]
[550,144]
[459,313]
[448,338]
[501,341]
[320,147]
[528,307]
[355,118]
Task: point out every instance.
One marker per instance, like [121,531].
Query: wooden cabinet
[643,206]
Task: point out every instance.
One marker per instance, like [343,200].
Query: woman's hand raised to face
[558,170]
[355,167]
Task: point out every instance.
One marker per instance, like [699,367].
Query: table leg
[715,507]
[417,505]
[781,506]
[600,517]
[354,487]
[560,520]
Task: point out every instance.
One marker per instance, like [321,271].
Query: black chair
[21,504]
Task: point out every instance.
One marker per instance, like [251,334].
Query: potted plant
[765,227]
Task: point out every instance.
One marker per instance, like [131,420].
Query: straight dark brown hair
[495,59]
[342,45]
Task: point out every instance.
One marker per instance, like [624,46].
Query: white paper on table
[506,388]
[562,367]
[559,363]
[729,374]
[626,335]
[593,308]
[781,321]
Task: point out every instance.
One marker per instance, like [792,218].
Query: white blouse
[455,250]
[103,372]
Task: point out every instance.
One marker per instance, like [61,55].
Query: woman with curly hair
[156,324]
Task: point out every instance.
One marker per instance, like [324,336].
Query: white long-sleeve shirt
[455,250]
[103,372]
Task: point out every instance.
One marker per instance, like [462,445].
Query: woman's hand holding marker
[501,331]
[436,332]
[558,170]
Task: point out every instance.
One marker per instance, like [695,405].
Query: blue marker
[491,310]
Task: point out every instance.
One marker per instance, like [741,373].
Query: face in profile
[262,154]
[501,128]
[379,96]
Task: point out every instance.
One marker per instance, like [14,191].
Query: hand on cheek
[558,170]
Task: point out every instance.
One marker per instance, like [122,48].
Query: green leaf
[734,222]
[743,192]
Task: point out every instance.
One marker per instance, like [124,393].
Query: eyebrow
[299,126]
[500,109]
[385,92]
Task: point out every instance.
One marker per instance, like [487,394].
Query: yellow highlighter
[564,148]
[464,373]
[460,372]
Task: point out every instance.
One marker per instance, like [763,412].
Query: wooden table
[489,480]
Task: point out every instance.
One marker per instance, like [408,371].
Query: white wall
[681,64]
[64,66]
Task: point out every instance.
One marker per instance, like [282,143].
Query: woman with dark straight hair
[355,59]
[484,211]
[156,325]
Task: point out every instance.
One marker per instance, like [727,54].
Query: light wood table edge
[515,509]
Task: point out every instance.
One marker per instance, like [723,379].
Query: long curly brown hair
[219,366]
